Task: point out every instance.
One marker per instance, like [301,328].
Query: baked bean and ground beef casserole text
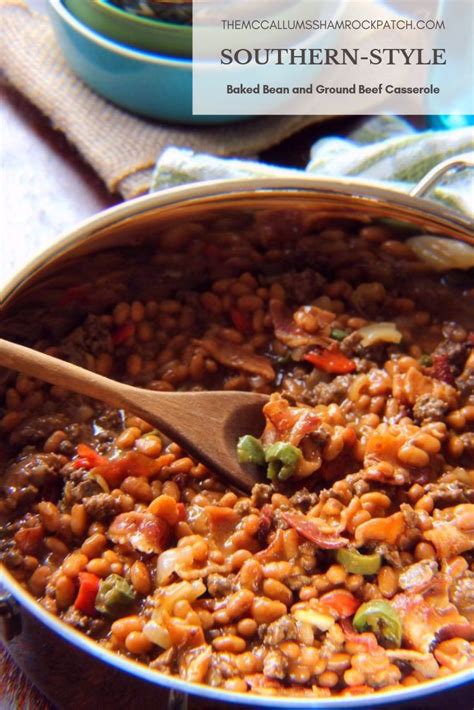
[350,568]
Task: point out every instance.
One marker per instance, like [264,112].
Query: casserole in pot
[325,587]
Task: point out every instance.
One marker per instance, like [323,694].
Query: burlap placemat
[121,148]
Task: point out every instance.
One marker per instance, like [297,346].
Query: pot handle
[432,178]
[10,619]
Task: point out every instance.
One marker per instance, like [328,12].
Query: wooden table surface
[46,188]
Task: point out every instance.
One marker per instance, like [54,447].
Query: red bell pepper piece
[87,457]
[442,369]
[181,512]
[332,361]
[123,333]
[88,588]
[341,601]
[241,321]
[308,529]
[132,463]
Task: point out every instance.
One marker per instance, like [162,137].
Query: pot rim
[365,191]
[370,191]
[68,633]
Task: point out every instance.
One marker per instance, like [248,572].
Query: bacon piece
[309,529]
[143,531]
[453,531]
[430,617]
[290,333]
[285,423]
[366,639]
[232,355]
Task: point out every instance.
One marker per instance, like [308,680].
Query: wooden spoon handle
[64,374]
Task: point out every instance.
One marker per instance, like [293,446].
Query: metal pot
[138,222]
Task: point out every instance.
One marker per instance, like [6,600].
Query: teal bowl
[132,30]
[147,84]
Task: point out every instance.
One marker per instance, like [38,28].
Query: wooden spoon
[206,424]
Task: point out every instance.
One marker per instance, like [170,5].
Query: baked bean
[99,566]
[65,592]
[124,626]
[265,610]
[74,564]
[136,642]
[277,590]
[94,545]
[38,580]
[127,438]
[150,445]
[229,644]
[49,515]
[78,519]
[387,580]
[165,507]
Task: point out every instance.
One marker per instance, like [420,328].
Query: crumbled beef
[412,532]
[390,554]
[220,586]
[429,409]
[35,430]
[296,581]
[283,629]
[90,626]
[166,661]
[261,494]
[334,391]
[220,668]
[275,664]
[456,353]
[77,492]
[243,507]
[445,494]
[465,385]
[304,286]
[304,500]
[23,479]
[92,337]
[350,345]
[102,506]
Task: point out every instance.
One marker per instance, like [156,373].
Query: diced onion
[157,634]
[173,561]
[323,622]
[379,333]
[166,597]
[442,253]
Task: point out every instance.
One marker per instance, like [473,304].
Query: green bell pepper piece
[115,596]
[380,617]
[355,563]
[339,334]
[282,459]
[250,450]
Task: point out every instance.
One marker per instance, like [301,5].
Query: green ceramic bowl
[151,35]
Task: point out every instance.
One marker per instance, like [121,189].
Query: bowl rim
[113,46]
[195,193]
[142,19]
[113,10]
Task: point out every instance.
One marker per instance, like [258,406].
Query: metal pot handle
[431,179]
[10,619]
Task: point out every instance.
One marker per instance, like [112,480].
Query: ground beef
[102,506]
[92,337]
[77,492]
[452,493]
[220,586]
[261,494]
[429,409]
[461,593]
[350,345]
[283,629]
[35,430]
[26,477]
[304,286]
[465,385]
[304,500]
[90,626]
[329,392]
[455,352]
[275,664]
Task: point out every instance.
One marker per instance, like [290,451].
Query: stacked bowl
[140,62]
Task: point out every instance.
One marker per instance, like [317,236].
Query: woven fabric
[122,148]
[385,149]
